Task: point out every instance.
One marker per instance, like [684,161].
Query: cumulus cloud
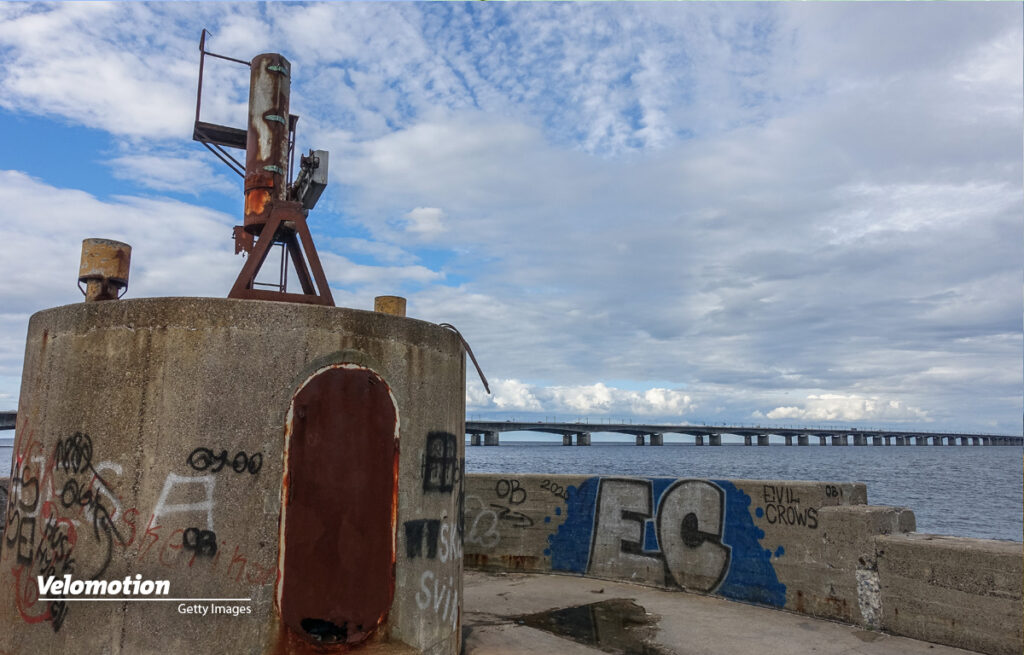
[582,400]
[839,407]
[425,222]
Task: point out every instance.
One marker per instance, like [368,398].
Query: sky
[785,214]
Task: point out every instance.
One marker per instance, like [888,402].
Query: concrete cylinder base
[153,440]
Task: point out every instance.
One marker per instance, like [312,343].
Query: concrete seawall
[814,548]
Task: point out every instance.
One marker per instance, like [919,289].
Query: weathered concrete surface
[687,624]
[767,542]
[953,590]
[814,548]
[150,440]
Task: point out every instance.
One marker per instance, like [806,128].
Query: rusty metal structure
[103,271]
[276,205]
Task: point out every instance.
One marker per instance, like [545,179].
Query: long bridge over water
[487,433]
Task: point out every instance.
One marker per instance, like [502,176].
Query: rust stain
[520,562]
[336,571]
[256,204]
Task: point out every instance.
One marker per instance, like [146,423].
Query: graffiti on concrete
[203,459]
[694,534]
[482,522]
[201,542]
[510,490]
[65,516]
[782,505]
[172,483]
[442,467]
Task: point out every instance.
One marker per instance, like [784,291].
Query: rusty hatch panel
[340,488]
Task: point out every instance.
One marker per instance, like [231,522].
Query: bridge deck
[711,434]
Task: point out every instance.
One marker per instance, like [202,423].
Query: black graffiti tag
[201,542]
[202,459]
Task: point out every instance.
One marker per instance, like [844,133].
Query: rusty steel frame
[291,212]
[270,216]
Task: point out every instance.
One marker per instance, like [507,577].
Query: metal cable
[470,351]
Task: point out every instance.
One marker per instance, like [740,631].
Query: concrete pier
[822,439]
[877,441]
[715,439]
[860,440]
[762,440]
[505,614]
[657,439]
[582,438]
[747,440]
[698,440]
[789,440]
[492,439]
[802,440]
[640,440]
[474,439]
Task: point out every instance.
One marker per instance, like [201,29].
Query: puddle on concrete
[615,626]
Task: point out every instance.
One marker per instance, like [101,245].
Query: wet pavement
[522,614]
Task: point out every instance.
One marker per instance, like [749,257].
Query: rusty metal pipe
[104,269]
[394,305]
[266,151]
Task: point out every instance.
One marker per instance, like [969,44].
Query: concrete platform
[498,608]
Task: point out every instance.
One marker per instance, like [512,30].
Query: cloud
[191,174]
[425,222]
[583,400]
[838,407]
[719,207]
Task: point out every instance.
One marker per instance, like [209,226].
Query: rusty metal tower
[277,198]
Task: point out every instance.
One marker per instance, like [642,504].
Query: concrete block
[952,590]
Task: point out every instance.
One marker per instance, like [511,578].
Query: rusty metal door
[340,498]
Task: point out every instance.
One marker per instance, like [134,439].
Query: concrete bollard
[317,480]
